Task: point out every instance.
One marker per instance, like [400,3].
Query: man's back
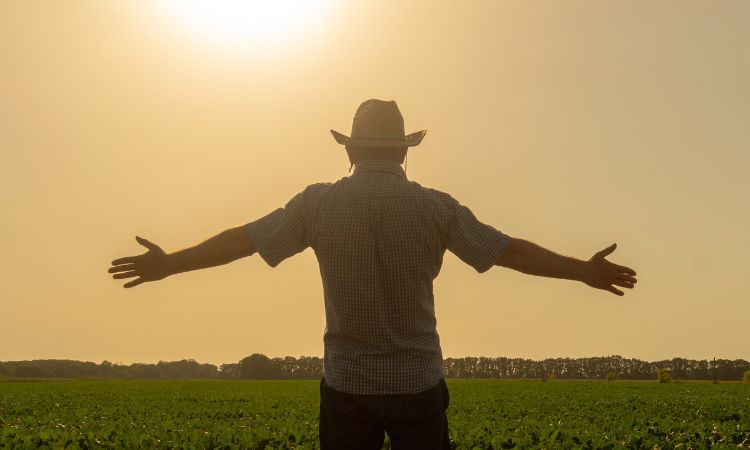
[379,240]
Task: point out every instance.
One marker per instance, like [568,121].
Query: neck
[396,155]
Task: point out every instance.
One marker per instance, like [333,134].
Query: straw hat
[378,123]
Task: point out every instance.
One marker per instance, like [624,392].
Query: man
[379,240]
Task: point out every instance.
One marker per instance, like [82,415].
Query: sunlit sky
[572,124]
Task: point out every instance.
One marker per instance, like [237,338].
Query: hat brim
[410,140]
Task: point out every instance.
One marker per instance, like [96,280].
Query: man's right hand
[149,266]
[597,272]
[602,274]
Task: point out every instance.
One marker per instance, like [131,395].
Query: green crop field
[484,414]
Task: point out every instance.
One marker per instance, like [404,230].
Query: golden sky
[572,124]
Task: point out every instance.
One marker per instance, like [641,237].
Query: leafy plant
[663,376]
[484,414]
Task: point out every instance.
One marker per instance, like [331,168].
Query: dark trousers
[359,422]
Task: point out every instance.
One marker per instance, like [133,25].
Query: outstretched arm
[597,272]
[156,264]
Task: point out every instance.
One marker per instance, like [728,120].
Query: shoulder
[308,195]
[441,198]
[311,196]
[316,189]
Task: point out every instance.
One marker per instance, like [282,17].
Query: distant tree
[746,376]
[680,368]
[229,371]
[259,366]
[185,369]
[663,376]
[208,371]
[311,367]
[141,370]
[611,376]
[33,371]
[105,368]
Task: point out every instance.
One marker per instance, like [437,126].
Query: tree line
[259,366]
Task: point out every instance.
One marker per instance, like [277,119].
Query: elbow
[240,244]
[509,256]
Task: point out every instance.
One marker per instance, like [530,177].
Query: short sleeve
[475,243]
[282,233]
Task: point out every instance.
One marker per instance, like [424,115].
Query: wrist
[583,270]
[171,264]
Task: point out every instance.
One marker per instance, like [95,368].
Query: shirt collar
[379,165]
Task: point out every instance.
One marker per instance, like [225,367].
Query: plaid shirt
[379,240]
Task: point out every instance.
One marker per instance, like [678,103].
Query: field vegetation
[483,414]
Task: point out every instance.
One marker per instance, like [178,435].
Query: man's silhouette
[379,240]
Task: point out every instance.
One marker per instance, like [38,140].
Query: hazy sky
[572,124]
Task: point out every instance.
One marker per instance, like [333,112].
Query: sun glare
[246,21]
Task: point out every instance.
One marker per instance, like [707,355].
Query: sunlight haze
[571,124]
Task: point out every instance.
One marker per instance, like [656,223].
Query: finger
[625,269]
[606,251]
[121,268]
[126,260]
[133,283]
[614,290]
[130,274]
[625,284]
[146,243]
[627,278]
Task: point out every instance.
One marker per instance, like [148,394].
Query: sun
[245,21]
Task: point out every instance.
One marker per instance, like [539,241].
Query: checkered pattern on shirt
[379,240]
